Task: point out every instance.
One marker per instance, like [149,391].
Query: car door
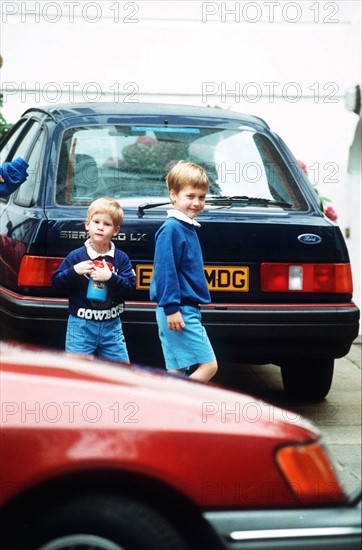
[22,213]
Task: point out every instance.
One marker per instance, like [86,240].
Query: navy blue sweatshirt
[179,276]
[121,281]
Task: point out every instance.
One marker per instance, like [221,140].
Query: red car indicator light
[37,270]
[310,474]
[285,277]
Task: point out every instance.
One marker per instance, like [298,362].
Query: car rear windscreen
[131,163]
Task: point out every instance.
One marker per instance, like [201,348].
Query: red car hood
[67,414]
[57,374]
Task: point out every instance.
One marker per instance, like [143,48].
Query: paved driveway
[338,416]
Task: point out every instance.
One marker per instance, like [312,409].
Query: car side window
[9,141]
[31,149]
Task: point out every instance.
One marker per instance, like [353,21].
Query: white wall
[288,62]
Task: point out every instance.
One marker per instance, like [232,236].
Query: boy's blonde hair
[105,205]
[186,173]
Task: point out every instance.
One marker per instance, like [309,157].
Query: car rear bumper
[312,529]
[272,333]
[249,332]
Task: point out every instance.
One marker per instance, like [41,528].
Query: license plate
[224,278]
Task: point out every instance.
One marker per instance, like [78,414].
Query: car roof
[68,110]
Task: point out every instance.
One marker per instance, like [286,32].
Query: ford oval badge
[309,238]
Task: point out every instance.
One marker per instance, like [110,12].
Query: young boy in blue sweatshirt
[179,284]
[95,326]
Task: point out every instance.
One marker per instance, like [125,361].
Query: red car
[106,457]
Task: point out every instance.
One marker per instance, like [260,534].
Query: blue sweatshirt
[121,281]
[179,276]
[14,174]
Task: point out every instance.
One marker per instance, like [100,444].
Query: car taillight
[37,270]
[310,474]
[285,277]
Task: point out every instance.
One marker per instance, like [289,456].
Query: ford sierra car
[104,456]
[277,268]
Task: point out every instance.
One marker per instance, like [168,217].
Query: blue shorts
[104,338]
[189,347]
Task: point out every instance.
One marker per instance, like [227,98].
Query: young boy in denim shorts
[179,284]
[94,326]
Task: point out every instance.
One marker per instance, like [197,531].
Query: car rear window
[131,163]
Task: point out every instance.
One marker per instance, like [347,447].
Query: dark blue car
[277,267]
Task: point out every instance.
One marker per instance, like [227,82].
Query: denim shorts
[189,347]
[102,338]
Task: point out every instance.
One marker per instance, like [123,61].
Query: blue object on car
[14,173]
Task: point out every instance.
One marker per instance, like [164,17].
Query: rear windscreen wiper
[147,206]
[222,201]
[236,199]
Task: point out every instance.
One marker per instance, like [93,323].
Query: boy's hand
[101,273]
[84,268]
[175,321]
